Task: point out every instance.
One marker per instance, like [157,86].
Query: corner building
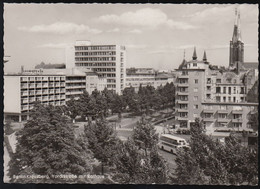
[106,60]
[216,97]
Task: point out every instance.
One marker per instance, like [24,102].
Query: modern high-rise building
[107,60]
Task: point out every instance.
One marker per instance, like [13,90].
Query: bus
[171,143]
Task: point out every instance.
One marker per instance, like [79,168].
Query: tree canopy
[47,146]
[210,162]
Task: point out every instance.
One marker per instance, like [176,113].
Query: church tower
[236,54]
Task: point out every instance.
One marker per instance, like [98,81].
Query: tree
[102,141]
[100,103]
[47,146]
[134,167]
[210,162]
[144,135]
[117,105]
[72,108]
[253,120]
[132,100]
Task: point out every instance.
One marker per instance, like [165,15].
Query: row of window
[225,90]
[108,47]
[96,64]
[95,53]
[229,99]
[95,58]
[43,78]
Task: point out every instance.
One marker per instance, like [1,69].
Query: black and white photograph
[130,93]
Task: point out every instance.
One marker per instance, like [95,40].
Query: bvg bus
[171,143]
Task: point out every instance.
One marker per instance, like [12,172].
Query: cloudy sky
[154,35]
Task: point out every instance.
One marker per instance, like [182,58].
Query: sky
[155,35]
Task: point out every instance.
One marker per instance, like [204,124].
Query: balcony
[183,93]
[182,101]
[222,111]
[24,101]
[45,85]
[223,120]
[25,93]
[182,110]
[24,86]
[237,120]
[186,76]
[208,111]
[31,86]
[183,84]
[38,85]
[209,119]
[182,118]
[237,111]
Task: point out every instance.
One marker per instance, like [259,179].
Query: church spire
[194,57]
[204,57]
[237,32]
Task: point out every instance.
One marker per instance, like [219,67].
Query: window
[222,116]
[229,90]
[208,96]
[237,124]
[208,115]
[242,90]
[196,106]
[237,116]
[234,99]
[194,64]
[195,89]
[196,81]
[229,99]
[222,107]
[228,80]
[234,90]
[208,88]
[184,73]
[224,99]
[218,81]
[208,80]
[195,98]
[218,98]
[218,90]
[224,90]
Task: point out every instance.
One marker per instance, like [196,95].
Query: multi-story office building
[107,60]
[139,76]
[21,91]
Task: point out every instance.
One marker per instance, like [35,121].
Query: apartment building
[108,61]
[217,97]
[22,90]
[227,115]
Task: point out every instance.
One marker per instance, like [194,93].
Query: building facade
[146,76]
[216,97]
[21,91]
[108,61]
